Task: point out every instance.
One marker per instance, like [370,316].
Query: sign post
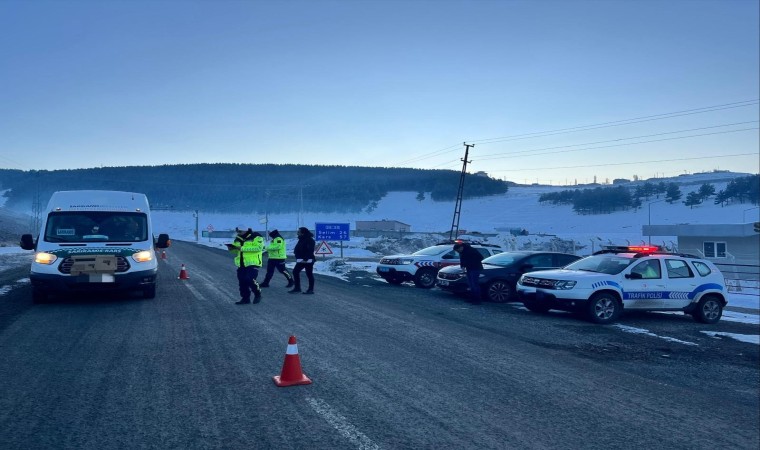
[210,229]
[333,232]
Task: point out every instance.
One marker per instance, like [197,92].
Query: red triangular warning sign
[323,249]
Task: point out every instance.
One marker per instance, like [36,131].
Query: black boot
[257,297]
[309,291]
[290,280]
[295,290]
[243,301]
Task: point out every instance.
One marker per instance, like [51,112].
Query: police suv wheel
[499,291]
[425,278]
[709,310]
[603,308]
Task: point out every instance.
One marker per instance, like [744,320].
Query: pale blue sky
[383,83]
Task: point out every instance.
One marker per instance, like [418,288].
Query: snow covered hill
[549,226]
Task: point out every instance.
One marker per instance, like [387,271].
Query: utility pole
[266,214]
[300,211]
[196,215]
[36,210]
[458,205]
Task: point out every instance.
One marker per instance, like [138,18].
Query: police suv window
[648,269]
[678,269]
[451,255]
[702,268]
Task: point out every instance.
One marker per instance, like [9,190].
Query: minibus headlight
[143,256]
[45,258]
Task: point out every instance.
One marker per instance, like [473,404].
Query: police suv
[422,266]
[642,278]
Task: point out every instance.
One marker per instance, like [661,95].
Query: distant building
[382,225]
[727,243]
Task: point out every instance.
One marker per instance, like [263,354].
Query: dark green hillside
[608,199]
[248,187]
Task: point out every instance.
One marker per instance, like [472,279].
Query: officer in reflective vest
[247,248]
[276,257]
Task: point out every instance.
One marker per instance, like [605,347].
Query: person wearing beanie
[247,248]
[304,253]
[471,261]
[276,259]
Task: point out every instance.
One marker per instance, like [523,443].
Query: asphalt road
[392,367]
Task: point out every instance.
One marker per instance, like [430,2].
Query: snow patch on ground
[634,330]
[749,338]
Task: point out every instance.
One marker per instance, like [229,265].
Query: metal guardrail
[741,278]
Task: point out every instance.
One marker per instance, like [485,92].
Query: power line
[435,153]
[622,122]
[18,164]
[627,163]
[615,140]
[619,122]
[513,155]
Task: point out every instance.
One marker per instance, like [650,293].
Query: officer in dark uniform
[471,261]
[304,252]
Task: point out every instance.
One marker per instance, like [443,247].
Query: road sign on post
[333,232]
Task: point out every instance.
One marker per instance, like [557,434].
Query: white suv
[422,266]
[635,278]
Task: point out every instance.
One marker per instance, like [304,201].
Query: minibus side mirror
[27,242]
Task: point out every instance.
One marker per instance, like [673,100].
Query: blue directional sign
[332,232]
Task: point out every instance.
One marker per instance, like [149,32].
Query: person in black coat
[471,261]
[304,253]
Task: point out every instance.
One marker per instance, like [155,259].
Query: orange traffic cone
[291,370]
[183,273]
[163,254]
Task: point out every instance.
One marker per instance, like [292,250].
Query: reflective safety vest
[276,248]
[248,253]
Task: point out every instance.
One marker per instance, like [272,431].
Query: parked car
[615,279]
[422,266]
[501,272]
